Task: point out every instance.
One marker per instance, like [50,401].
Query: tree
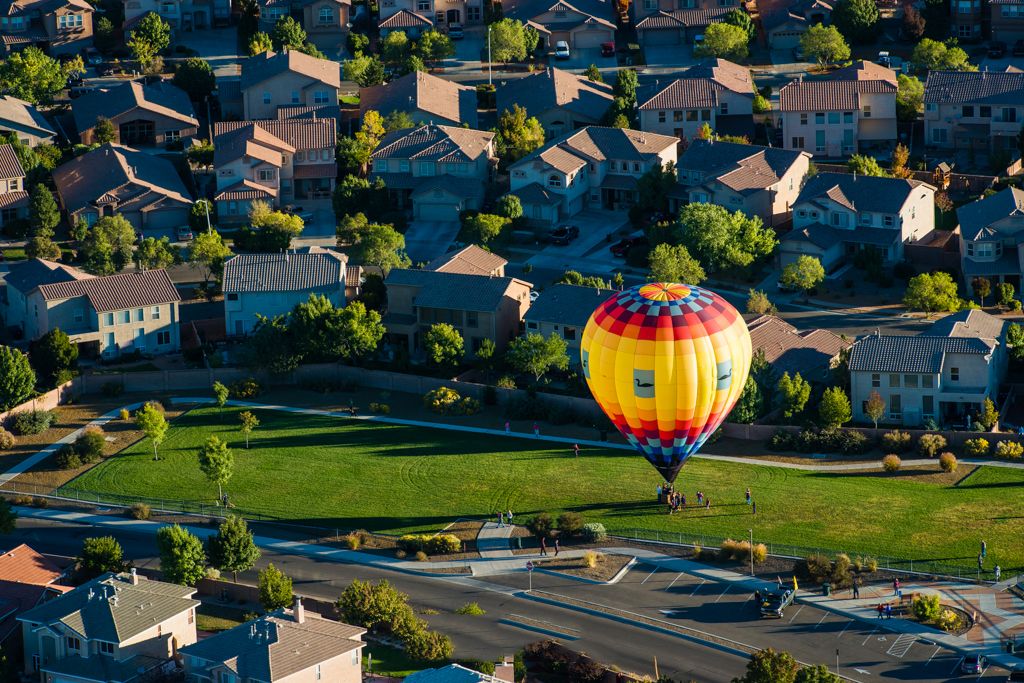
[862,164]
[900,157]
[508,41]
[982,286]
[232,548]
[200,155]
[653,188]
[720,240]
[221,393]
[758,303]
[433,46]
[444,345]
[151,421]
[625,87]
[324,332]
[484,227]
[354,195]
[366,71]
[874,408]
[42,247]
[104,38]
[109,245]
[271,346]
[594,74]
[804,274]
[536,354]
[100,554]
[398,120]
[217,462]
[104,131]
[249,423]
[517,134]
[574,277]
[394,48]
[834,408]
[17,380]
[724,40]
[378,245]
[275,588]
[931,55]
[156,253]
[510,207]
[209,251]
[182,559]
[195,77]
[932,292]
[33,76]
[259,43]
[43,214]
[1015,341]
[361,331]
[670,263]
[269,230]
[793,392]
[750,404]
[816,674]
[371,132]
[741,19]
[825,45]
[1004,292]
[79,230]
[54,358]
[288,34]
[913,23]
[769,666]
[989,416]
[8,517]
[856,19]
[151,36]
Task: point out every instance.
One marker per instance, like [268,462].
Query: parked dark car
[774,603]
[607,49]
[455,32]
[997,50]
[974,664]
[622,247]
[1018,48]
[563,234]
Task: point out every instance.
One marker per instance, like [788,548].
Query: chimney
[134,577]
[298,611]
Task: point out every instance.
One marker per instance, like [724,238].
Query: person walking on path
[998,573]
[543,546]
[748,495]
[881,610]
[536,429]
[509,517]
[557,546]
[896,586]
[576,449]
[856,590]
[888,610]
[501,519]
[984,549]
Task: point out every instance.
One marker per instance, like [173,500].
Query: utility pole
[489,82]
[751,532]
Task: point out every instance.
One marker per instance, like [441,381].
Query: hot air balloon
[666,362]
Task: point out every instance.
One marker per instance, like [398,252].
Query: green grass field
[392,478]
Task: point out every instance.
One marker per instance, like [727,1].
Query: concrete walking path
[492,541]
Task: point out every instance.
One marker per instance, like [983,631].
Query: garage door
[663,36]
[585,39]
[786,40]
[437,212]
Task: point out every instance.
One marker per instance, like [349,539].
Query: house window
[954,374]
[267,174]
[876,380]
[403,165]
[984,112]
[865,219]
[140,338]
[927,382]
[661,117]
[910,381]
[126,316]
[355,657]
[154,313]
[163,339]
[423,5]
[968,111]
[316,672]
[473,13]
[79,315]
[833,117]
[108,319]
[847,117]
[1009,114]
[650,4]
[691,114]
[677,115]
[636,167]
[705,114]
[172,135]
[888,221]
[928,404]
[894,380]
[867,111]
[74,643]
[569,333]
[724,108]
[939,135]
[106,648]
[69,21]
[472,319]
[326,15]
[320,97]
[295,97]
[895,406]
[798,143]
[555,181]
[819,118]
[819,141]
[266,98]
[233,208]
[140,315]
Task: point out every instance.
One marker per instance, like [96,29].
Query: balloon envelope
[666,362]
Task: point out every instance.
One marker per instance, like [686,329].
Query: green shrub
[897,441]
[948,462]
[380,408]
[760,551]
[352,542]
[472,609]
[245,388]
[841,571]
[891,463]
[781,440]
[33,421]
[7,440]
[506,382]
[570,523]
[89,444]
[421,556]
[870,564]
[541,525]
[124,414]
[978,448]
[445,401]
[926,608]
[410,543]
[929,445]
[400,554]
[594,532]
[112,389]
[40,502]
[1005,449]
[140,511]
[444,544]
[819,567]
[67,458]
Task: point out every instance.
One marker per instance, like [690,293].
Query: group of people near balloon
[667,495]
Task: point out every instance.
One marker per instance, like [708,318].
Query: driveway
[468,51]
[218,46]
[589,252]
[679,56]
[582,57]
[426,240]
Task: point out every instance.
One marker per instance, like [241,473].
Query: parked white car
[561,50]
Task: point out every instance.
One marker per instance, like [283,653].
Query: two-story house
[853,109]
[25,121]
[943,374]
[424,97]
[442,13]
[786,23]
[478,306]
[277,162]
[969,19]
[469,260]
[274,284]
[286,79]
[718,93]
[582,24]
[118,628]
[759,181]
[838,214]
[143,115]
[437,171]
[674,22]
[564,310]
[284,646]
[60,27]
[412,24]
[13,196]
[1006,19]
[593,166]
[114,179]
[560,100]
[27,579]
[991,229]
[974,109]
[324,21]
[181,15]
[107,316]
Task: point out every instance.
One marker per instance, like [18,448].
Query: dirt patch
[926,474]
[605,566]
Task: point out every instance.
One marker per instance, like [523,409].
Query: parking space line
[649,576]
[702,582]
[873,632]
[796,613]
[956,667]
[844,628]
[673,582]
[727,587]
[823,618]
[933,655]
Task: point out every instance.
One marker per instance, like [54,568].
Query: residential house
[114,179]
[584,24]
[981,110]
[25,121]
[991,229]
[143,115]
[470,260]
[479,307]
[412,24]
[838,214]
[27,579]
[13,196]
[560,100]
[277,162]
[106,316]
[284,646]
[273,284]
[564,310]
[60,27]
[759,181]
[325,22]
[437,171]
[1006,20]
[442,13]
[456,673]
[592,167]
[117,628]
[786,23]
[424,97]
[181,15]
[718,93]
[968,17]
[674,22]
[812,353]
[943,374]
[853,109]
[286,79]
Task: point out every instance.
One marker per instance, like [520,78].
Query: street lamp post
[751,532]
[489,56]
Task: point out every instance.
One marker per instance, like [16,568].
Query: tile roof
[841,91]
[741,168]
[404,18]
[10,167]
[860,192]
[789,350]
[454,291]
[293,271]
[262,67]
[424,92]
[920,354]
[863,70]
[116,292]
[566,18]
[245,189]
[700,86]
[985,87]
[525,10]
[22,114]
[266,139]
[107,669]
[535,193]
[470,260]
[22,7]
[971,323]
[435,143]
[556,89]
[977,217]
[276,646]
[595,143]
[12,200]
[773,16]
[28,274]
[111,608]
[315,111]
[683,18]
[127,174]
[563,304]
[818,234]
[22,564]
[161,98]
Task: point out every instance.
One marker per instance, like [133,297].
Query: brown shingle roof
[404,18]
[24,565]
[701,85]
[267,139]
[596,143]
[117,292]
[161,98]
[434,143]
[471,260]
[835,94]
[310,268]
[556,89]
[790,350]
[246,189]
[257,69]
[421,91]
[864,70]
[955,87]
[10,167]
[683,18]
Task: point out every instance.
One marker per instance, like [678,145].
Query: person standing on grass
[557,546]
[576,449]
[984,549]
[509,517]
[543,546]
[753,507]
[748,495]
[700,498]
[998,572]
[501,519]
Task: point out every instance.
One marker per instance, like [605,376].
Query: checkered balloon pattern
[667,363]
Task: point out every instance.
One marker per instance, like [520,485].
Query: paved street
[426,240]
